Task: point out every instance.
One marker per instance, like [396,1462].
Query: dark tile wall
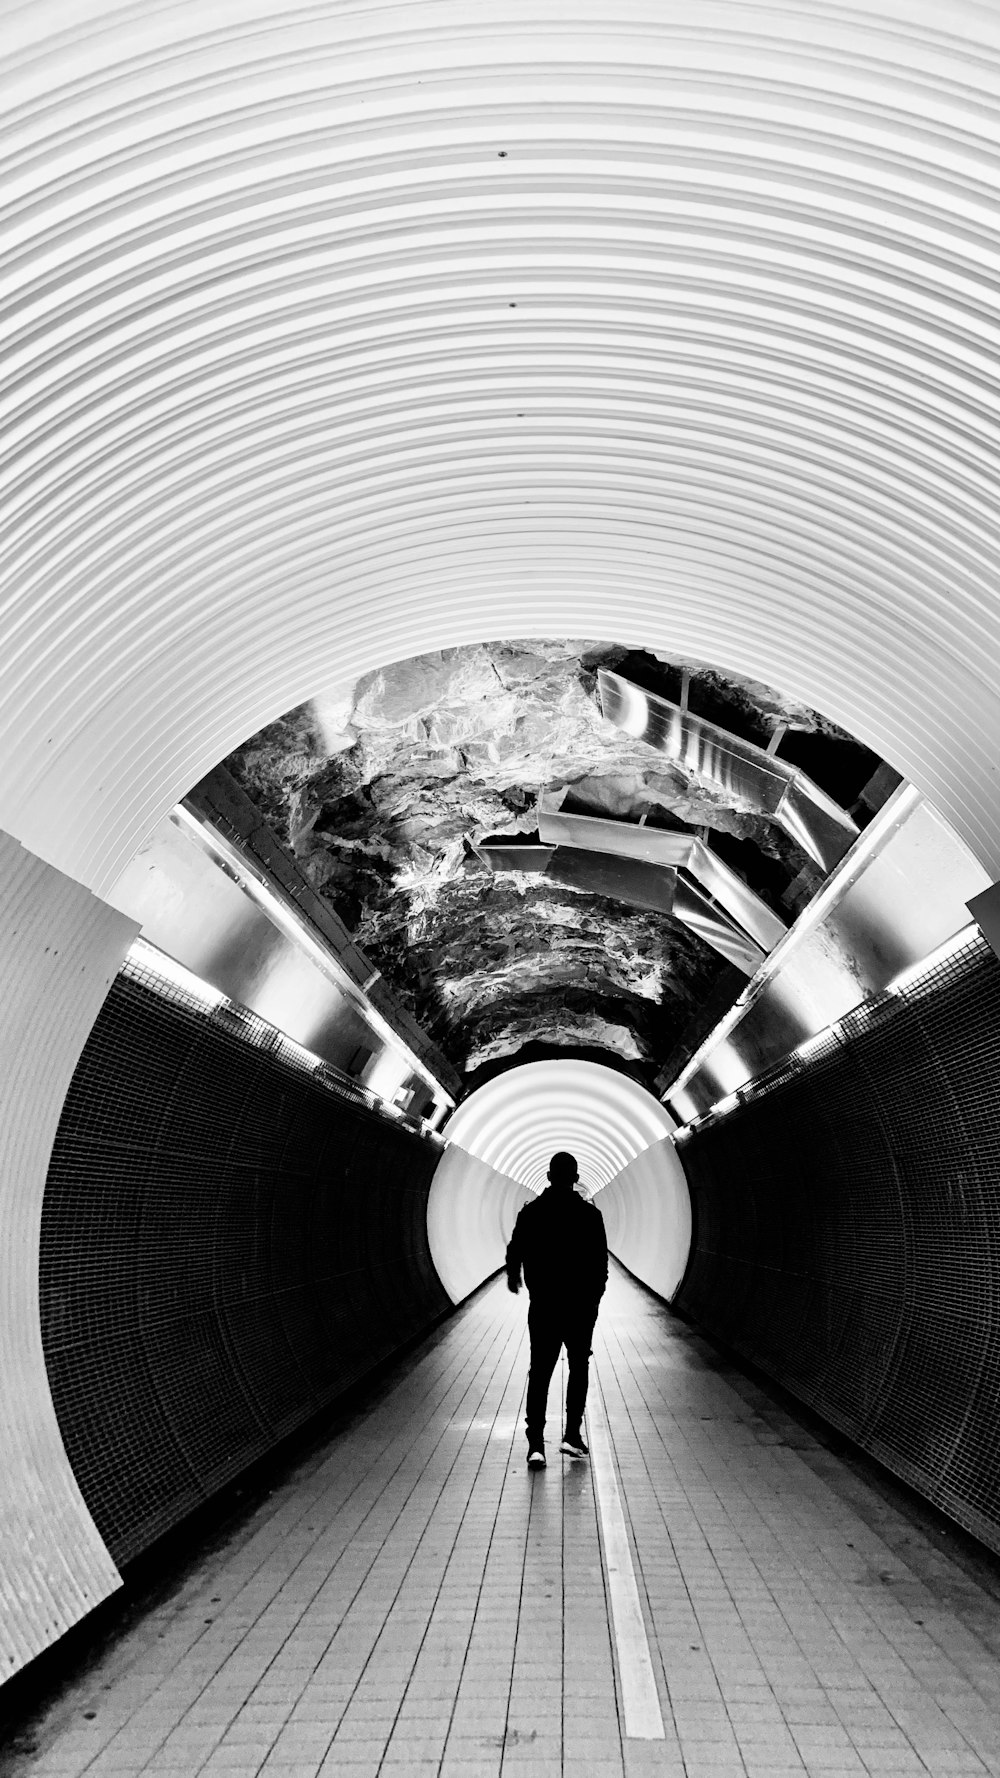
[847,1233]
[226,1246]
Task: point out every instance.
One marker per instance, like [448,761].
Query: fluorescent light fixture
[728,1069]
[299,1049]
[729,1103]
[142,955]
[895,812]
[173,974]
[256,885]
[811,1044]
[908,978]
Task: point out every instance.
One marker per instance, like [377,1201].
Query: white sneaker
[574,1447]
[536,1459]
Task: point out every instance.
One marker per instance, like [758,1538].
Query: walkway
[410,1600]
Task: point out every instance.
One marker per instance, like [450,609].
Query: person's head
[563,1171]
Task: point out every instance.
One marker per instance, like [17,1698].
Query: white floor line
[640,1703]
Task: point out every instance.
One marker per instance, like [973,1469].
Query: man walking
[560,1243]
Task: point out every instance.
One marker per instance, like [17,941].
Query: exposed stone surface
[382,790]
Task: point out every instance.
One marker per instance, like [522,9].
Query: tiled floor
[411,1600]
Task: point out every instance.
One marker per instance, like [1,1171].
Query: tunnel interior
[237,1227]
[499,654]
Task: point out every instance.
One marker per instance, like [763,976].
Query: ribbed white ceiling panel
[338,333]
[519,1119]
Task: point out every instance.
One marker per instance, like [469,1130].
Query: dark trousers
[550,1327]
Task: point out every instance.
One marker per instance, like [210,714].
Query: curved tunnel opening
[382,946]
[501,534]
[501,1139]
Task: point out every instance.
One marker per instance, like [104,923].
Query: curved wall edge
[258,449]
[60,949]
[647,1215]
[470,1215]
[517,1120]
[226,1247]
[847,1233]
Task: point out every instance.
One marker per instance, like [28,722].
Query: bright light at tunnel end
[518,1120]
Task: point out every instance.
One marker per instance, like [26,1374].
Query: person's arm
[514,1258]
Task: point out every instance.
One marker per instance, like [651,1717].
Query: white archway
[500,1141]
[516,1121]
[340,333]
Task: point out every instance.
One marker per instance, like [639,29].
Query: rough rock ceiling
[384,788]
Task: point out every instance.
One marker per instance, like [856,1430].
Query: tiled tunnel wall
[847,1233]
[226,1247]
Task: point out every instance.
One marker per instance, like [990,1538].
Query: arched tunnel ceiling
[338,334]
[411,798]
[516,1122]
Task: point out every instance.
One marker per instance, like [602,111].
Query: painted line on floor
[640,1702]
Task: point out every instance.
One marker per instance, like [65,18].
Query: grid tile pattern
[408,1599]
[847,1233]
[226,1246]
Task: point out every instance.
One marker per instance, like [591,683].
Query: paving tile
[248,1767]
[292,1767]
[470,1768]
[410,1600]
[362,1764]
[226,1758]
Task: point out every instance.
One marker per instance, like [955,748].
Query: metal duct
[631,880]
[747,775]
[699,912]
[677,851]
[637,882]
[533,859]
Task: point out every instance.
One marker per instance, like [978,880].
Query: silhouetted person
[559,1241]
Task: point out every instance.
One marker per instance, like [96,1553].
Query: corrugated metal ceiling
[339,332]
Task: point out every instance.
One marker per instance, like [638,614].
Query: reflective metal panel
[686,851]
[600,833]
[901,892]
[631,880]
[534,859]
[985,910]
[822,828]
[639,884]
[713,924]
[750,777]
[204,903]
[746,907]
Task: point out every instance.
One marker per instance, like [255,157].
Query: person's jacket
[560,1244]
